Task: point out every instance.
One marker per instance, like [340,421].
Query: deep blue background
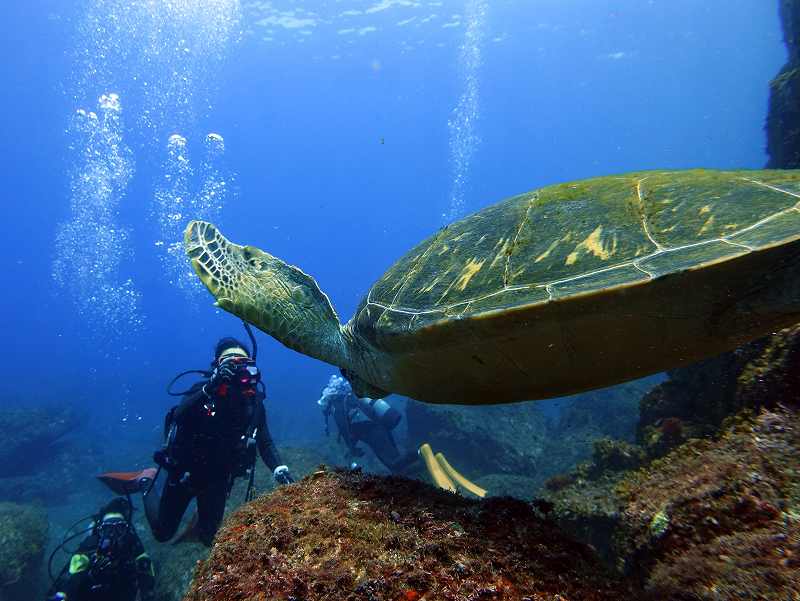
[318,188]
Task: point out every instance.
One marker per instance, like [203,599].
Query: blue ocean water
[342,134]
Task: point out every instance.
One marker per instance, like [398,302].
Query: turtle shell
[567,241]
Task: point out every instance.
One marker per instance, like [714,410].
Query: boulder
[342,535]
[23,535]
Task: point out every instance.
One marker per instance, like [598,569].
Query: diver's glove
[282,475]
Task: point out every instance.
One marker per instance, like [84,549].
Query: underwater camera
[245,372]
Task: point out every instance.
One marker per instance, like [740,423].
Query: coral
[348,536]
[23,533]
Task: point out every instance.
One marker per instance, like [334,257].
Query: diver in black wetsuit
[110,564]
[212,437]
[370,421]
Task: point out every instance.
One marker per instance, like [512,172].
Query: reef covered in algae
[23,534]
[783,120]
[718,519]
[345,535]
[708,505]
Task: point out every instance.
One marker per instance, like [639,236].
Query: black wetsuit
[374,435]
[93,575]
[208,451]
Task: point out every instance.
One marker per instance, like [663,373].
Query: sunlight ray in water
[464,139]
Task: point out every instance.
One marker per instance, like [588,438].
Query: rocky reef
[512,449]
[175,563]
[342,535]
[23,534]
[783,119]
[36,451]
[718,519]
[707,506]
[29,436]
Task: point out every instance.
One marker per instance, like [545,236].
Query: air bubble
[464,139]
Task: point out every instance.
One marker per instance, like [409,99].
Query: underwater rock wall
[28,435]
[783,120]
[718,515]
[348,536]
[23,534]
[719,519]
[512,449]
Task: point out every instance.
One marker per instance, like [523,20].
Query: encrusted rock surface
[783,120]
[23,534]
[719,519]
[348,536]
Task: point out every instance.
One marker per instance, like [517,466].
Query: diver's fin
[440,478]
[190,533]
[125,483]
[460,480]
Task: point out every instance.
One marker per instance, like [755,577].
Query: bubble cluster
[164,56]
[91,246]
[464,139]
[182,195]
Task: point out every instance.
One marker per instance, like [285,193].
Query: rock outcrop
[23,534]
[783,119]
[338,535]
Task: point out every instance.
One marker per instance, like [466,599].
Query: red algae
[341,535]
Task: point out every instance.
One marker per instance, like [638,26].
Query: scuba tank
[379,411]
[376,410]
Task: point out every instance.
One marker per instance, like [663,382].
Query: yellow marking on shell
[731,226]
[546,253]
[706,226]
[431,286]
[470,269]
[502,254]
[592,244]
[501,242]
[705,209]
[443,250]
[481,239]
[460,237]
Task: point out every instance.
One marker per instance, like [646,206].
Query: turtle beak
[204,244]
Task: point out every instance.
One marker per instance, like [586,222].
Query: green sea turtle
[564,289]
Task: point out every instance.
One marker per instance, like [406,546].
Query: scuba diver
[370,421]
[110,564]
[211,438]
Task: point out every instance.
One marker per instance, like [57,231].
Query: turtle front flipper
[276,297]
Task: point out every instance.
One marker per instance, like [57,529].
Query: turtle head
[274,296]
